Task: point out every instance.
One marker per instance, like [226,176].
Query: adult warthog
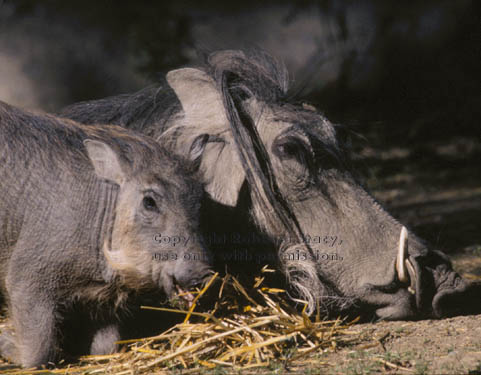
[280,165]
[80,207]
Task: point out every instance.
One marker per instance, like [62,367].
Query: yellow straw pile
[247,328]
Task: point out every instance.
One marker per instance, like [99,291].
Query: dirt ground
[448,346]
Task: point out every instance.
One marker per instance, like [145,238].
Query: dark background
[404,77]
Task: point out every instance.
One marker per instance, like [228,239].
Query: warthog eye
[150,204]
[291,148]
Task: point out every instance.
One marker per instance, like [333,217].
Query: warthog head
[146,204]
[339,248]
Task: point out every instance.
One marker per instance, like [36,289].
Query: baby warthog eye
[150,204]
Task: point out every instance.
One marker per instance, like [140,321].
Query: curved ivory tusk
[402,255]
[412,276]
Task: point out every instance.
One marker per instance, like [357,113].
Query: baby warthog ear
[105,161]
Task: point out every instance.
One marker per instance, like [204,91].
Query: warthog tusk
[401,256]
[412,275]
[404,268]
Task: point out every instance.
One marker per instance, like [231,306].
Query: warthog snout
[189,276]
[423,285]
[185,279]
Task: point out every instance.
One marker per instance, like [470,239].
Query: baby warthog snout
[185,279]
[184,271]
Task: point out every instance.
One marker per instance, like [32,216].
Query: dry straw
[248,327]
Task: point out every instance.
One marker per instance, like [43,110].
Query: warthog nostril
[404,268]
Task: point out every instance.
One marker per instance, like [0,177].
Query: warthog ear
[205,118]
[196,92]
[222,172]
[104,160]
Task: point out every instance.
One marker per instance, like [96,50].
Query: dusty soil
[448,346]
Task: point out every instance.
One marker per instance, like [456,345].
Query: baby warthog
[80,207]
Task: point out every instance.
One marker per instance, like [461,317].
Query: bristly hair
[239,77]
[257,74]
